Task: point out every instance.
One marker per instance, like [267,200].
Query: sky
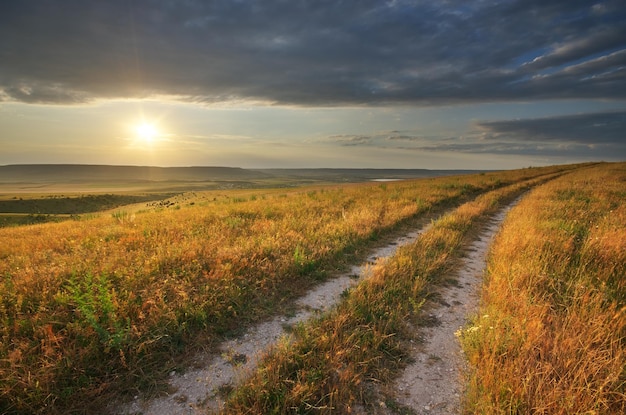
[448,84]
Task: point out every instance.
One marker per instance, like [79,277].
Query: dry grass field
[338,362]
[98,307]
[550,337]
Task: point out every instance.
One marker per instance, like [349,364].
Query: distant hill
[48,178]
[74,173]
[362,174]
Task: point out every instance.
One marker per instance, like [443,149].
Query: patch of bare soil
[433,384]
[203,388]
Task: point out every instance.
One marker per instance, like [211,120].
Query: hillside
[73,173]
[83,173]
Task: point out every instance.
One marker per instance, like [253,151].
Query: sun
[146,132]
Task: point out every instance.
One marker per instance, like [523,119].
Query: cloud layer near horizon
[313,53]
[596,135]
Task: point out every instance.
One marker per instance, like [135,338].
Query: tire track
[433,384]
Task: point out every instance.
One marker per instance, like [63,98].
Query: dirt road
[432,385]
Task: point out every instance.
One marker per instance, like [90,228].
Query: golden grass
[331,363]
[98,306]
[551,334]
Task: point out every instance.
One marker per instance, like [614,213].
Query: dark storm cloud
[590,129]
[592,136]
[306,52]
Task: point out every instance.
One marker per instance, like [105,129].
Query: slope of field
[31,194]
[97,306]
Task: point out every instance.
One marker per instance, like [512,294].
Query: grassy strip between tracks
[331,363]
[551,333]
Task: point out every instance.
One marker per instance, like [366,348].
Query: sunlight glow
[146,132]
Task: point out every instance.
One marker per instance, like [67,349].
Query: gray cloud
[312,53]
[496,148]
[583,136]
[563,53]
[593,136]
[588,129]
[351,139]
[385,139]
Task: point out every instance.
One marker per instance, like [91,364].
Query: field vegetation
[336,363]
[93,307]
[551,333]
